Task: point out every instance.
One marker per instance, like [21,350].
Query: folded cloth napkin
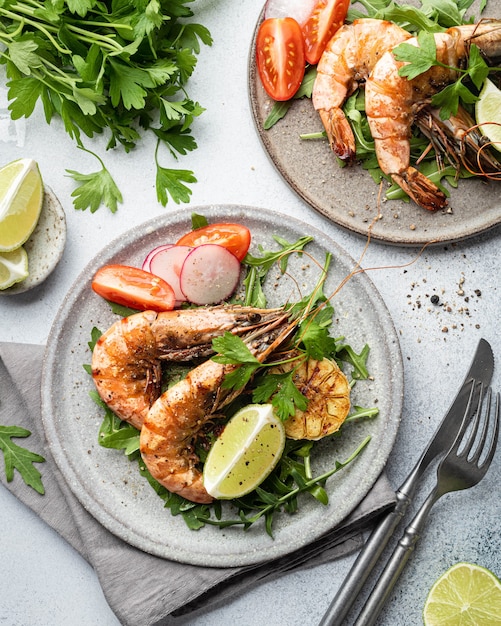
[142,589]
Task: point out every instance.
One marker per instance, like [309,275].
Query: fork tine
[470,416]
[485,428]
[495,434]
[473,424]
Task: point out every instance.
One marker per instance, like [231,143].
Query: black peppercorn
[434,299]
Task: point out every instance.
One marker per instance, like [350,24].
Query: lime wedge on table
[13,267]
[245,453]
[21,198]
[488,113]
[464,594]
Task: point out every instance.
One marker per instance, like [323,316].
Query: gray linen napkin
[141,589]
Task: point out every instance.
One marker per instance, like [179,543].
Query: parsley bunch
[114,66]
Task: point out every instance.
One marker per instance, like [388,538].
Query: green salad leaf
[19,458]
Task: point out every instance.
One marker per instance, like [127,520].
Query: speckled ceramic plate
[348,196]
[46,245]
[110,487]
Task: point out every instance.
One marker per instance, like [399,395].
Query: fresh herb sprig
[19,458]
[257,267]
[420,59]
[118,68]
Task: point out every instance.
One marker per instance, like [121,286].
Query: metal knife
[481,369]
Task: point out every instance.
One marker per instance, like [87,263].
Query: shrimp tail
[339,133]
[421,189]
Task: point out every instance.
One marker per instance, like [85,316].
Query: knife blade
[481,369]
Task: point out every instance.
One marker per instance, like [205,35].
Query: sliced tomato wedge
[326,18]
[134,288]
[234,237]
[280,57]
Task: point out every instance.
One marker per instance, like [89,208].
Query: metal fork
[465,464]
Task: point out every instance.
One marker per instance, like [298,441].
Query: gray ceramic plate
[45,246]
[110,487]
[348,196]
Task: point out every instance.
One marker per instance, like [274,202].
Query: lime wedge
[13,267]
[488,113]
[21,198]
[464,594]
[245,453]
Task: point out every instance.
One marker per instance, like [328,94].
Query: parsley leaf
[285,396]
[16,457]
[172,181]
[231,349]
[96,188]
[419,58]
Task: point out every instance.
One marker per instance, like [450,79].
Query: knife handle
[396,563]
[365,563]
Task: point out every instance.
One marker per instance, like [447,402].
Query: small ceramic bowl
[45,246]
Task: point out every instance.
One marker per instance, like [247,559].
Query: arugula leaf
[291,479]
[446,12]
[259,266]
[22,459]
[407,16]
[359,361]
[198,221]
[114,433]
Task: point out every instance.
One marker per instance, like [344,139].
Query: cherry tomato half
[280,57]
[134,288]
[234,237]
[326,18]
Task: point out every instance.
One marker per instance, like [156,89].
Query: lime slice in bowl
[245,453]
[13,267]
[21,198]
[488,113]
[464,594]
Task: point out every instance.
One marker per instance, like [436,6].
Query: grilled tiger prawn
[392,102]
[172,423]
[126,361]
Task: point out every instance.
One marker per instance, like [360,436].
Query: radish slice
[146,263]
[300,10]
[210,274]
[167,263]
